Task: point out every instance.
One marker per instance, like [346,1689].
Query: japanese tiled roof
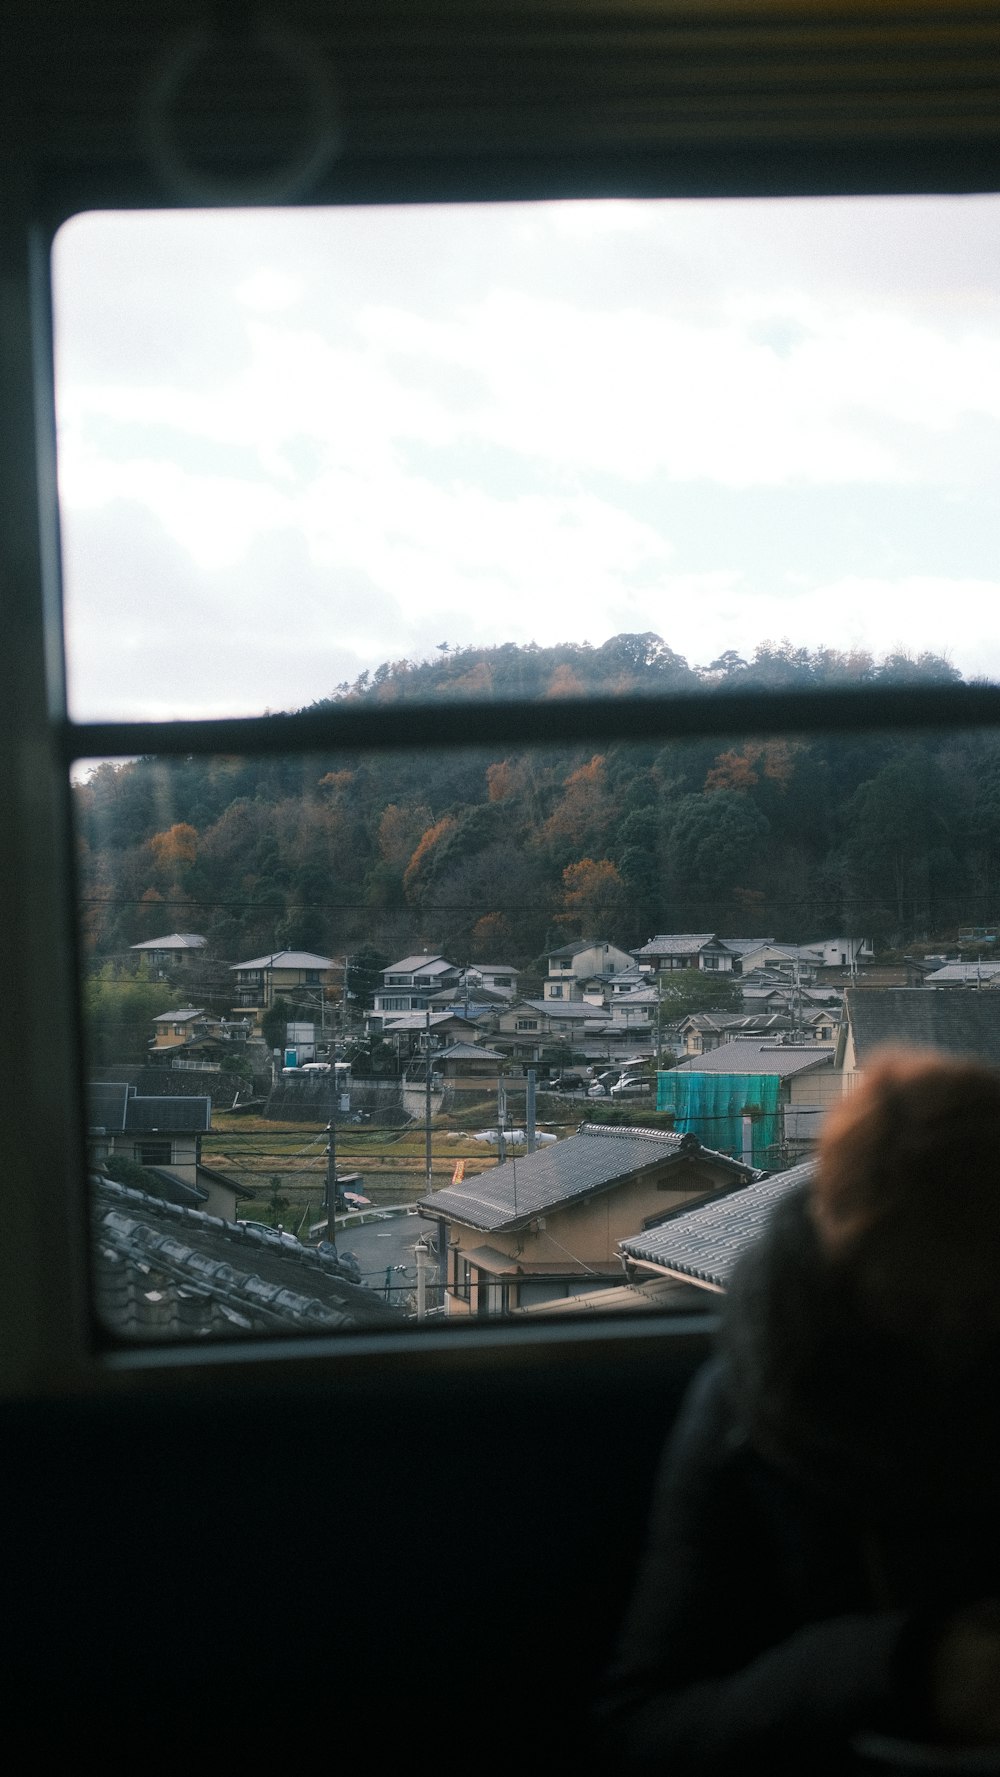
[597,1158]
[703,1243]
[162,1271]
[677,943]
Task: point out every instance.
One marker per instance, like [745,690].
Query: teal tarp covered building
[713,1106]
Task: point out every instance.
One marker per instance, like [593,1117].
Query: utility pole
[428,1161]
[529,1111]
[501,1115]
[331,1182]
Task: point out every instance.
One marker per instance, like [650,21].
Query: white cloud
[467,445]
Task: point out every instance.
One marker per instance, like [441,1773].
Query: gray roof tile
[705,1242]
[164,1271]
[962,1021]
[596,1158]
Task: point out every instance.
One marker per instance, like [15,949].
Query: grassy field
[285,1164]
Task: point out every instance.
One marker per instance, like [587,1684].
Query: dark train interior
[472,1504]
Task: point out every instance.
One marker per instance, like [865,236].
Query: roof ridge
[630,1129]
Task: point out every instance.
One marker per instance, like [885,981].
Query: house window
[555,993]
[527,1024]
[461,1276]
[153,1153]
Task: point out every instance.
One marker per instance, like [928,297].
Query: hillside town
[632,1142]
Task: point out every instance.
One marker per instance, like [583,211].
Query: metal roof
[287,959]
[962,1021]
[106,1101]
[747,1055]
[400,1021]
[185,1013]
[596,1158]
[703,1243]
[167,1116]
[963,972]
[469,1052]
[175,941]
[563,1008]
[422,964]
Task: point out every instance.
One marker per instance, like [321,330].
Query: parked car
[631,1086]
[567,1083]
[602,1083]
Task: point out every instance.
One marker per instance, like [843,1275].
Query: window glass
[523,450]
[424,1028]
[277,1143]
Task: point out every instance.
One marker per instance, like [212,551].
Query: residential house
[408,985]
[761,1099]
[469,1067]
[191,1027]
[481,1005]
[177,952]
[635,1011]
[748,953]
[704,1031]
[588,960]
[410,1032]
[298,976]
[971,975]
[162,1270]
[685,1262]
[918,1017]
[838,953]
[685,950]
[528,1026]
[701,1245]
[163,1135]
[498,978]
[546,1225]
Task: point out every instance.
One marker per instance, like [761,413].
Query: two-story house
[297,976]
[529,1026]
[591,961]
[498,978]
[162,1135]
[410,984]
[172,955]
[546,1226]
[685,950]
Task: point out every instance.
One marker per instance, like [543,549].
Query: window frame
[580,149]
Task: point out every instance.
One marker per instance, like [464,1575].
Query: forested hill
[499,858]
[627,664]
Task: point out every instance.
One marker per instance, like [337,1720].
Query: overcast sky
[296,444]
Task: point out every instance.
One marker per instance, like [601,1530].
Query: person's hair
[906,1190]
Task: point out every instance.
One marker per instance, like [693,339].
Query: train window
[401,1016]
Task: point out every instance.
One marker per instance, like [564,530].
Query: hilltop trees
[486,854]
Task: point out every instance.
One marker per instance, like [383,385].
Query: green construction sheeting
[712,1107]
